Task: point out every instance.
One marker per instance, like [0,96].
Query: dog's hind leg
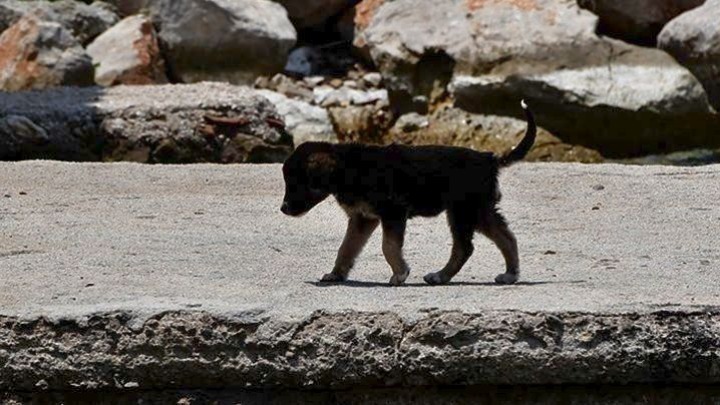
[463,229]
[496,229]
[358,232]
[393,238]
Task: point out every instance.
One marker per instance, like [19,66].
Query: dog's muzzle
[290,210]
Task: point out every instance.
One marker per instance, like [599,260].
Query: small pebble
[373,79]
[314,81]
[598,187]
[336,83]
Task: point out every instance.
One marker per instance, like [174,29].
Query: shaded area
[206,122]
[540,395]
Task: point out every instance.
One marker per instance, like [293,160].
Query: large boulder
[37,54]
[223,40]
[636,21]
[128,53]
[84,21]
[693,39]
[623,99]
[308,13]
[206,122]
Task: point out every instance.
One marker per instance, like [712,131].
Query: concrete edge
[200,350]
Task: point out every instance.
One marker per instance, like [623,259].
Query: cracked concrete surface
[188,277]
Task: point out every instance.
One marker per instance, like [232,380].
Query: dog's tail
[522,149]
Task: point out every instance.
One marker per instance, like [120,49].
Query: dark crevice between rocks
[614,23]
[418,87]
[170,73]
[659,394]
[326,49]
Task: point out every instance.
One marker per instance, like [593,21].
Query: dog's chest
[360,208]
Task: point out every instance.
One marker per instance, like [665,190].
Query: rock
[128,53]
[37,54]
[207,122]
[304,61]
[623,120]
[624,100]
[223,40]
[409,123]
[693,39]
[327,96]
[452,126]
[372,79]
[362,15]
[314,81]
[84,21]
[291,88]
[308,13]
[638,21]
[366,124]
[303,121]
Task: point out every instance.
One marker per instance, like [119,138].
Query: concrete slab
[125,275]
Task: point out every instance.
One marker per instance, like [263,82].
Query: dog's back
[424,179]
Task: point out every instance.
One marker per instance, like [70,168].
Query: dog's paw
[399,279]
[332,278]
[506,278]
[435,278]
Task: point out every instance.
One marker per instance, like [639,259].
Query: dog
[387,185]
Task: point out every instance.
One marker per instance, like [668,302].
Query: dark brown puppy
[387,185]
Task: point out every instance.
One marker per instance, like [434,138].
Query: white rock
[305,122]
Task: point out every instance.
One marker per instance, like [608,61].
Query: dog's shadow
[368,284]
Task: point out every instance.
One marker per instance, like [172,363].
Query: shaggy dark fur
[387,185]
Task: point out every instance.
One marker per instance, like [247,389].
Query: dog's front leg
[393,238]
[358,232]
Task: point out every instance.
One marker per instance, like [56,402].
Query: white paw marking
[397,280]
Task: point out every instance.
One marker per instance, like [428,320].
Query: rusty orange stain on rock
[18,55]
[365,11]
[151,68]
[524,5]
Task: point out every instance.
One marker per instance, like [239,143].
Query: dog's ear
[321,166]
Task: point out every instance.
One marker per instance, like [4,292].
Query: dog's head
[308,176]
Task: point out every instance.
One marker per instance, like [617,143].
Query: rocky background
[128,79]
